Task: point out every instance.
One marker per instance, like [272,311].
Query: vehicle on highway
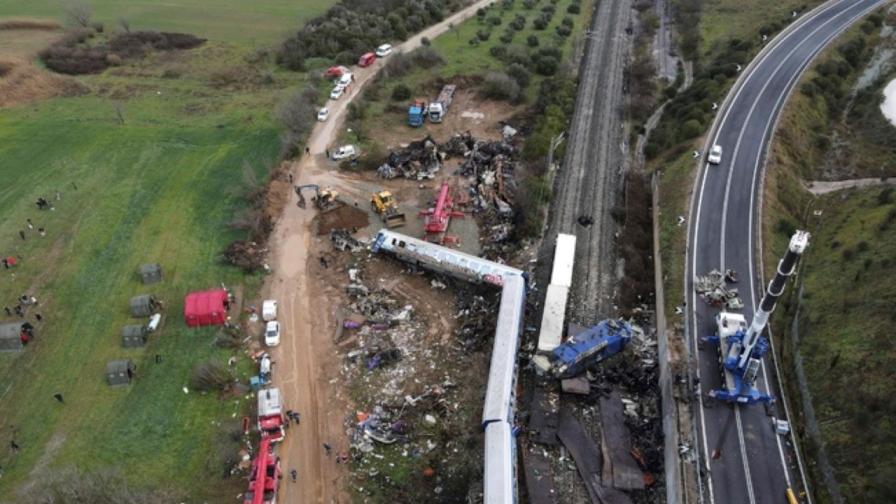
[715,155]
[323,114]
[383,50]
[345,152]
[272,334]
[337,93]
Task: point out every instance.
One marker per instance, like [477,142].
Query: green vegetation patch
[845,338]
[256,23]
[148,168]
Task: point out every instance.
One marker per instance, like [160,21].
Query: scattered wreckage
[713,288]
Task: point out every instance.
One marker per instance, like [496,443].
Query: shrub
[529,4]
[885,197]
[498,51]
[494,21]
[574,9]
[500,86]
[848,254]
[401,92]
[785,227]
[483,35]
[563,31]
[519,74]
[518,23]
[549,9]
[211,375]
[532,41]
[567,21]
[506,38]
[425,42]
[862,246]
[691,128]
[540,23]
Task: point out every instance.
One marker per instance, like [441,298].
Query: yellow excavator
[324,199]
[387,207]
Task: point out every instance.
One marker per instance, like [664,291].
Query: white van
[269,310]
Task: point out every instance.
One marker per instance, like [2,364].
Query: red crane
[436,219]
[265,476]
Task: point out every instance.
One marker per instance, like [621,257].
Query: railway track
[591,176]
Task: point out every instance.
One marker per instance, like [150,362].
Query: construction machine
[387,207]
[324,199]
[742,345]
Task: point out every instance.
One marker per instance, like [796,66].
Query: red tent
[206,308]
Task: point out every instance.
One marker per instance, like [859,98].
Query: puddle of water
[888,107]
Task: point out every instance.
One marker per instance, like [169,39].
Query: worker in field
[59,398]
[293,474]
[328,448]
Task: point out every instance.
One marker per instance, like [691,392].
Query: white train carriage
[442,259]
[500,486]
[500,464]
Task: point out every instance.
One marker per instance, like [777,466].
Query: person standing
[59,398]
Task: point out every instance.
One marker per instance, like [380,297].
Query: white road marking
[764,54]
[771,126]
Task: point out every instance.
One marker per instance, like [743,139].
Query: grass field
[260,22]
[152,190]
[159,187]
[846,312]
[723,20]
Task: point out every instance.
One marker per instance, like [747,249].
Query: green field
[258,22]
[723,20]
[847,309]
[159,187]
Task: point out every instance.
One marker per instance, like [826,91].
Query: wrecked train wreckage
[500,400]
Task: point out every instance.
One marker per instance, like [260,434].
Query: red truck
[366,59]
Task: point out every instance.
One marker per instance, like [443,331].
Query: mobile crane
[436,219]
[741,348]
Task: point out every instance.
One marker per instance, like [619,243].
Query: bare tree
[78,12]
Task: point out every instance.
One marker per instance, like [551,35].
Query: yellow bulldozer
[387,207]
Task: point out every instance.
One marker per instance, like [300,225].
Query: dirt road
[307,369]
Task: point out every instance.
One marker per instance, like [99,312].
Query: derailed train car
[500,486]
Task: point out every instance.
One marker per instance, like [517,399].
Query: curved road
[754,465]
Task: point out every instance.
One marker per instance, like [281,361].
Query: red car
[367,59]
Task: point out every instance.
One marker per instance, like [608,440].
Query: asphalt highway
[754,464]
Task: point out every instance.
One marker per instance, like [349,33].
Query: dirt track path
[307,361]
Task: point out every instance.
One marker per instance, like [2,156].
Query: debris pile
[247,255]
[713,289]
[420,160]
[343,240]
[476,314]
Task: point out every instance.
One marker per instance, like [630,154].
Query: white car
[272,334]
[345,152]
[323,114]
[337,93]
[269,310]
[344,81]
[383,51]
[715,155]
